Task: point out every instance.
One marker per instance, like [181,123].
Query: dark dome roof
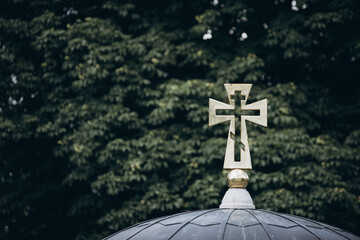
[229,224]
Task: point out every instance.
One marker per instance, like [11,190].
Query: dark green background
[104,110]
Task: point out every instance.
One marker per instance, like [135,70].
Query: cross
[214,105]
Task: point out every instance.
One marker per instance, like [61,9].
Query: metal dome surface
[231,224]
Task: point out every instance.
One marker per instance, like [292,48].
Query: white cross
[245,160]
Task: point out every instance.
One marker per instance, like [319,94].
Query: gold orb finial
[237,178]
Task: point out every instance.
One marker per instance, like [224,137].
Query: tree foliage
[103,110]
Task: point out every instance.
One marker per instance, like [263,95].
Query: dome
[236,218]
[231,224]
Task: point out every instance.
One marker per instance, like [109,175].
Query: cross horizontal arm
[259,105]
[216,119]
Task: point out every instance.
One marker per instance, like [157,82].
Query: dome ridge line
[186,223]
[262,223]
[289,232]
[159,220]
[318,223]
[222,227]
[294,221]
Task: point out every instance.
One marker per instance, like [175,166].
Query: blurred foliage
[103,110]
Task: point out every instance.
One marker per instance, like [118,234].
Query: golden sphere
[237,178]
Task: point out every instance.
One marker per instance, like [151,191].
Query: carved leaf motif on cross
[261,119]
